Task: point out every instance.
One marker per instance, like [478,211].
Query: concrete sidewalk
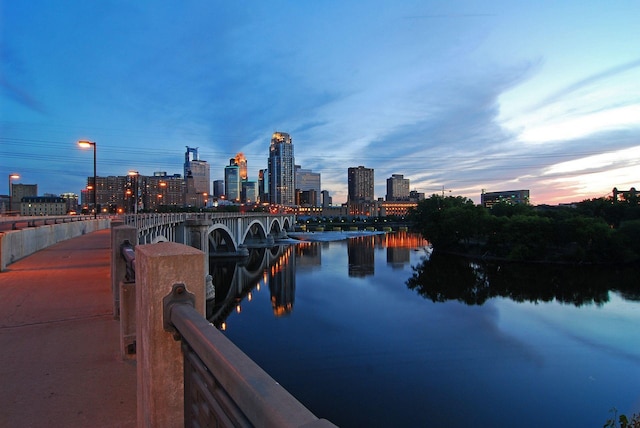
[60,365]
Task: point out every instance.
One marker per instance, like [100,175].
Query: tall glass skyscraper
[281,168]
[232,183]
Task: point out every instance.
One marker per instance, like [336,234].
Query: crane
[441,189]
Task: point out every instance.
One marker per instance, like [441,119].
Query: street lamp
[13,176]
[85,145]
[135,189]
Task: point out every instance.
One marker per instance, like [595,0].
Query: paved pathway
[60,365]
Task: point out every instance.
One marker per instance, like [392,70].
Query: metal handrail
[129,255]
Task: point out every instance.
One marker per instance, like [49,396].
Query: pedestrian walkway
[60,365]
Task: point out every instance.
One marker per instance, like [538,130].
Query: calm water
[360,338]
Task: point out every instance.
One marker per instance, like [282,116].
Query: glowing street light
[85,145]
[13,176]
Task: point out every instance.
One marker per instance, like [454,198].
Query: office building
[241,161]
[511,197]
[218,188]
[397,188]
[232,183]
[327,200]
[308,181]
[263,185]
[249,193]
[281,167]
[360,185]
[196,170]
[19,191]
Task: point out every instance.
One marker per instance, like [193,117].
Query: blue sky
[458,95]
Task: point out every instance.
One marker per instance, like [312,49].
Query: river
[371,331]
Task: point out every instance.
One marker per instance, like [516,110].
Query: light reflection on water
[338,326]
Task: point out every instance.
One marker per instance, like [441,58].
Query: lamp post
[11,177]
[135,189]
[86,144]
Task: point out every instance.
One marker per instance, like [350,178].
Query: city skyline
[457,96]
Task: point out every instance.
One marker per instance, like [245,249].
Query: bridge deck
[60,364]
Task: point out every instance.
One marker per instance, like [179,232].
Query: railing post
[119,234]
[159,357]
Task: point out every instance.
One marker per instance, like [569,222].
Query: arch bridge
[216,234]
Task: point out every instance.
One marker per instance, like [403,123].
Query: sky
[457,96]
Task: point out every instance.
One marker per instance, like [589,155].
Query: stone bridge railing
[42,232]
[189,373]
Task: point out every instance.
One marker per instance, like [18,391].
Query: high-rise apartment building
[397,188]
[161,189]
[281,167]
[309,181]
[110,192]
[360,184]
[117,194]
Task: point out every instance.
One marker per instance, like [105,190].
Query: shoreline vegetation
[592,232]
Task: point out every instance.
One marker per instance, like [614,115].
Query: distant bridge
[216,234]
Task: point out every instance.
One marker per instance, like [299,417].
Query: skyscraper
[232,186]
[263,185]
[397,188]
[307,180]
[196,169]
[360,184]
[196,177]
[218,188]
[281,168]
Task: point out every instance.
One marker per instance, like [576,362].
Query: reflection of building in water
[404,240]
[308,254]
[399,246]
[397,257]
[361,255]
[282,284]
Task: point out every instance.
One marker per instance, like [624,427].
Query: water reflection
[443,277]
[361,255]
[274,268]
[235,279]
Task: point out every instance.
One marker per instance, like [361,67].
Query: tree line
[601,230]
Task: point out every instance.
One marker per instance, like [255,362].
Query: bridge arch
[255,231]
[276,226]
[220,239]
[159,238]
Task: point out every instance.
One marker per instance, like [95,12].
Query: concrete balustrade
[16,244]
[159,358]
